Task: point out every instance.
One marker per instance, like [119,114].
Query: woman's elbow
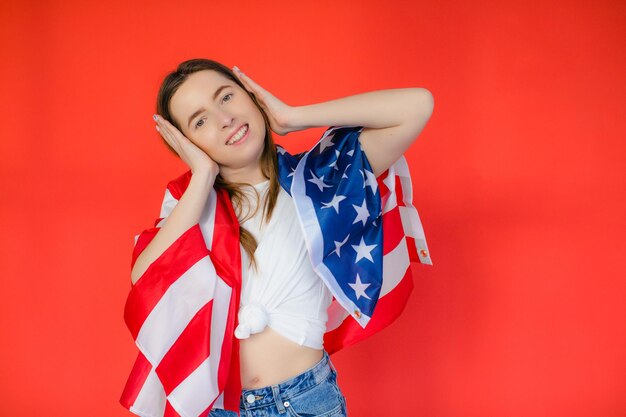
[421,110]
[425,103]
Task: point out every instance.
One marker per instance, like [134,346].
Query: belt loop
[330,363]
[277,400]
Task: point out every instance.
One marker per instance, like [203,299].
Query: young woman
[220,123]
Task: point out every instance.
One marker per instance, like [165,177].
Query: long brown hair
[269,159]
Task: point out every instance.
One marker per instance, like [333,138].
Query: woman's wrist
[203,178]
[298,119]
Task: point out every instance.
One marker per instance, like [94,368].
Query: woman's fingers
[167,132]
[243,78]
[170,130]
[252,86]
[191,154]
[277,111]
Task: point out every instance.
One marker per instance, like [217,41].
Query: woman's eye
[199,123]
[227,95]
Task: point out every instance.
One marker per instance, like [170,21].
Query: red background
[519,179]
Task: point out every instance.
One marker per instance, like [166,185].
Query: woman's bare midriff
[268,358]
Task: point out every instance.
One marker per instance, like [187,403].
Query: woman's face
[219,117]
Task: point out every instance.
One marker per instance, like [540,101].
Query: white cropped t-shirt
[284,292]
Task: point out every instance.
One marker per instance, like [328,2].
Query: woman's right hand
[193,156]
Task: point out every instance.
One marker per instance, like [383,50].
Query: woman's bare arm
[392,119]
[190,205]
[186,214]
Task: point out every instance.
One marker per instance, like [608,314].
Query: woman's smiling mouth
[238,136]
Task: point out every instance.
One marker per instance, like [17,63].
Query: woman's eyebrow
[217,92]
[200,110]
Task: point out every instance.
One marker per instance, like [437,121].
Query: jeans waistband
[276,394]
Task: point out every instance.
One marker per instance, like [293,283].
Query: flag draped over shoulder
[362,234]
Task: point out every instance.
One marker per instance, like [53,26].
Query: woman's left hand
[278,113]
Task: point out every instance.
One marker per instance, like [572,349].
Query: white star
[326,143]
[370,181]
[344,172]
[362,213]
[350,152]
[334,163]
[318,181]
[334,203]
[281,150]
[359,288]
[338,246]
[363,251]
[293,170]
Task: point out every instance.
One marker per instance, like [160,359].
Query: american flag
[362,234]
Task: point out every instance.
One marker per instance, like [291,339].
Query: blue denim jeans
[313,393]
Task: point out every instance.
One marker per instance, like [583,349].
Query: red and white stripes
[181,313]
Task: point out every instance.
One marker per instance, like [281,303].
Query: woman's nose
[225,119]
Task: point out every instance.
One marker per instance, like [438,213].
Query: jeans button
[286,403]
[250,398]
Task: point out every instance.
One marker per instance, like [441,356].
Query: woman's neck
[249,174]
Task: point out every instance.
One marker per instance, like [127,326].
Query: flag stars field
[338,246]
[319,181]
[362,213]
[363,251]
[359,288]
[334,163]
[334,203]
[370,181]
[326,144]
[344,172]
